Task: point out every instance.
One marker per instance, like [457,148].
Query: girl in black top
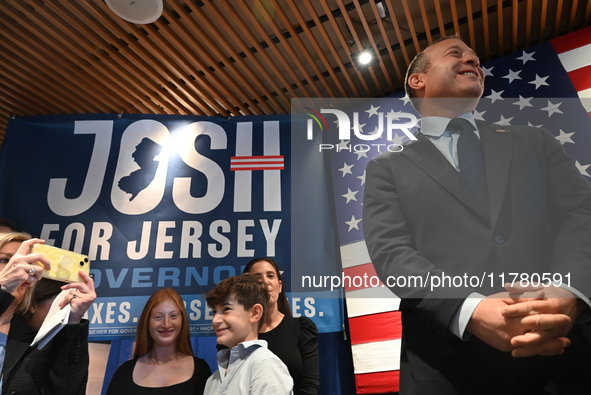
[163,361]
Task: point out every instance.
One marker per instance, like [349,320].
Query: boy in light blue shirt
[247,367]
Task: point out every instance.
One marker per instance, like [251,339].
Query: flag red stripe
[572,41]
[255,168]
[581,78]
[360,277]
[260,162]
[378,383]
[375,327]
[257,157]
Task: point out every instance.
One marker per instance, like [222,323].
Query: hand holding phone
[64,264]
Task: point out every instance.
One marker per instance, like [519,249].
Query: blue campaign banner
[164,201]
[110,317]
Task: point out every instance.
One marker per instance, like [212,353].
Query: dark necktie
[471,160]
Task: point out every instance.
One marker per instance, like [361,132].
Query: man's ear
[416,81]
[256,313]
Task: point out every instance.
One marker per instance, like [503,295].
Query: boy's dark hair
[282,303]
[246,289]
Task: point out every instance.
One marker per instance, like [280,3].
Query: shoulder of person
[201,364]
[263,352]
[393,151]
[267,360]
[307,325]
[126,367]
[271,363]
[510,128]
[20,330]
[533,135]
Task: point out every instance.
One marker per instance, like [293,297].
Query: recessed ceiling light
[365,57]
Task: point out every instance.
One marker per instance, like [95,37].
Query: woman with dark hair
[45,292]
[293,340]
[163,360]
[7,226]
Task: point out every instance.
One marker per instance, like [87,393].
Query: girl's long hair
[144,342]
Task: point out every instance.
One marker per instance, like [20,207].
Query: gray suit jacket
[420,218]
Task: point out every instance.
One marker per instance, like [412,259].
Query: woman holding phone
[61,367]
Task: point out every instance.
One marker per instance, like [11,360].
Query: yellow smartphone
[64,264]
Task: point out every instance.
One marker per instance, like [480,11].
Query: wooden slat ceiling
[242,57]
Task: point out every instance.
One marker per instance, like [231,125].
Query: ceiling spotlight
[136,11]
[365,57]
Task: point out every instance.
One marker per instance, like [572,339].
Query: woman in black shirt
[293,340]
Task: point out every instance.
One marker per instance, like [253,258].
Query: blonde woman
[61,367]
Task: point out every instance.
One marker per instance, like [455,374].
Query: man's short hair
[248,290]
[421,64]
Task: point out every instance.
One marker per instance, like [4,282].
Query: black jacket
[61,367]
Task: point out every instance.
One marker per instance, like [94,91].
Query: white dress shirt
[249,369]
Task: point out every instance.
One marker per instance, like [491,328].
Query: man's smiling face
[454,71]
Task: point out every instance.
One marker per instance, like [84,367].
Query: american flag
[545,85]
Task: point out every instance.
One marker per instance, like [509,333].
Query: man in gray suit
[470,201]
